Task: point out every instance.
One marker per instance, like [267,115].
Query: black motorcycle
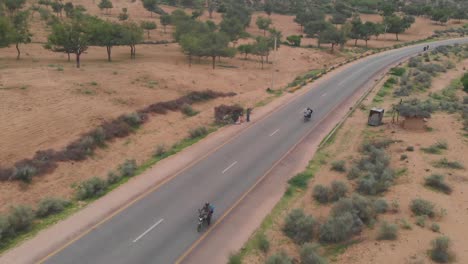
[202,220]
[308,115]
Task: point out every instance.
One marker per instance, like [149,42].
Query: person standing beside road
[249,110]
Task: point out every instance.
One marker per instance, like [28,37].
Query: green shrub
[444,163]
[387,231]
[263,243]
[440,250]
[321,193]
[436,148]
[300,180]
[49,206]
[421,221]
[403,157]
[354,173]
[198,132]
[422,207]
[435,227]
[380,206]
[279,258]
[395,206]
[159,151]
[410,148]
[405,224]
[134,119]
[112,177]
[235,259]
[338,228]
[359,206]
[398,71]
[24,173]
[20,218]
[338,190]
[128,168]
[309,255]
[5,228]
[339,165]
[299,227]
[188,110]
[437,182]
[91,188]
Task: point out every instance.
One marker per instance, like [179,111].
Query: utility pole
[273,66]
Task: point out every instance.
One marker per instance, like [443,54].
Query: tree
[268,7]
[165,20]
[379,29]
[57,7]
[367,30]
[398,25]
[338,18]
[262,48]
[246,49]
[215,44]
[211,5]
[6,32]
[440,15]
[13,5]
[68,8]
[355,32]
[69,37]
[315,29]
[333,36]
[461,13]
[21,32]
[263,24]
[232,27]
[464,81]
[191,45]
[105,34]
[124,14]
[236,9]
[148,26]
[132,34]
[274,33]
[105,4]
[387,9]
[307,16]
[151,6]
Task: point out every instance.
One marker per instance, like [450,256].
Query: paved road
[162,226]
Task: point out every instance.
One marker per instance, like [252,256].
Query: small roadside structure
[375,116]
[415,114]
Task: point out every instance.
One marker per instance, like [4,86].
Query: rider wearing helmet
[208,211]
[308,112]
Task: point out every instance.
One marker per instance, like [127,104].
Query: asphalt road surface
[162,226]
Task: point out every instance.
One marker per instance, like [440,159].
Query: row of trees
[14,26]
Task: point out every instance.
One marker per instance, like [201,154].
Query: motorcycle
[307,116]
[201,221]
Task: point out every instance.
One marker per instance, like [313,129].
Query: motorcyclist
[308,112]
[208,211]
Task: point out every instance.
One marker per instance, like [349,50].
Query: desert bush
[24,173]
[159,151]
[414,62]
[338,228]
[262,243]
[6,174]
[435,228]
[227,114]
[422,207]
[375,183]
[403,90]
[134,120]
[235,259]
[416,108]
[450,65]
[398,71]
[338,190]
[91,188]
[279,258]
[98,135]
[20,218]
[339,165]
[300,180]
[116,129]
[128,168]
[299,227]
[5,228]
[423,80]
[421,221]
[198,132]
[437,182]
[380,206]
[354,173]
[405,224]
[403,157]
[387,231]
[50,205]
[321,193]
[444,163]
[395,206]
[432,68]
[410,148]
[440,250]
[436,148]
[309,255]
[188,110]
[465,99]
[112,178]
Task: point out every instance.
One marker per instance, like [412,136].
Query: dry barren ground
[45,102]
[413,243]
